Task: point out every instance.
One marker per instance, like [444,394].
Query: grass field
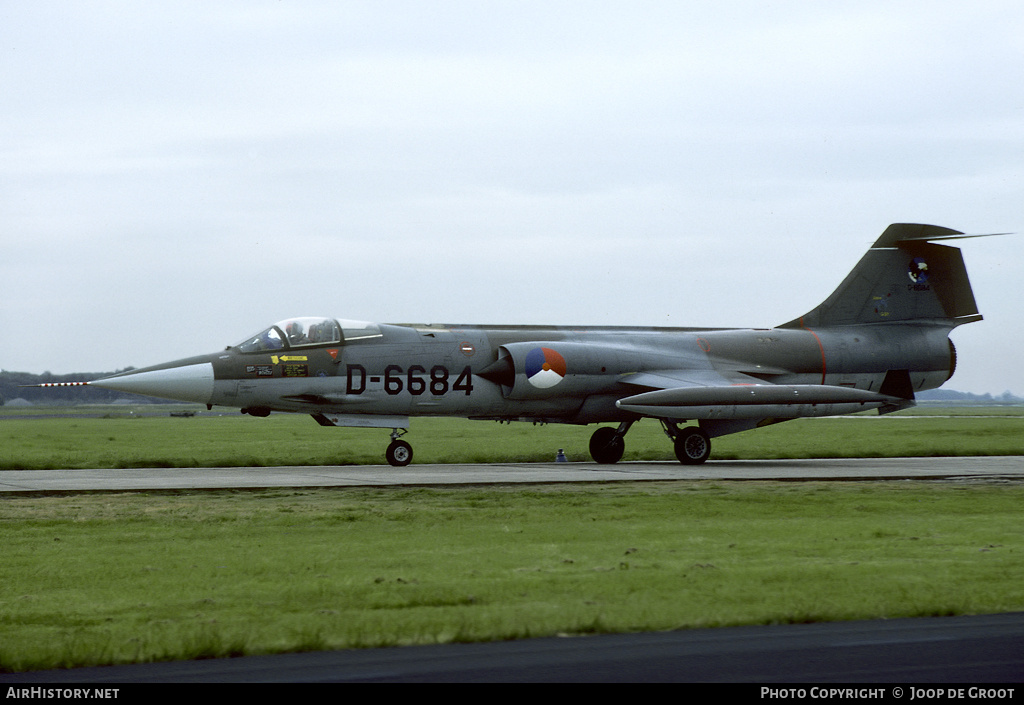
[128,577]
[115,437]
[103,578]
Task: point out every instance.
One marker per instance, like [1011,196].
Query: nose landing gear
[607,444]
[399,453]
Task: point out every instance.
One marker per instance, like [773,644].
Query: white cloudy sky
[176,176]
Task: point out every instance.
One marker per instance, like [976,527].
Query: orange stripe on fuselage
[820,347]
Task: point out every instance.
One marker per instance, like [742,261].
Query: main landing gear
[399,453]
[692,444]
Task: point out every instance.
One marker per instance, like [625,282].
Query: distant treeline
[953,396]
[10,389]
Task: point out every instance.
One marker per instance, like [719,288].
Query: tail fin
[903,277]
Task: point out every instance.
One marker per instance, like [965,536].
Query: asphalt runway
[976,651]
[988,468]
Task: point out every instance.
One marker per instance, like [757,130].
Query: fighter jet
[879,339]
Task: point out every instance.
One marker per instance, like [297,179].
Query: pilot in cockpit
[295,334]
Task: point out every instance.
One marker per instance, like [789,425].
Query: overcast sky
[177,176]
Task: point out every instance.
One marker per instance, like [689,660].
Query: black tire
[693,446]
[607,446]
[399,454]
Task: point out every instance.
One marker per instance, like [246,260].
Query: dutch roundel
[544,367]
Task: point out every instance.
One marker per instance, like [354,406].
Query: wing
[675,379]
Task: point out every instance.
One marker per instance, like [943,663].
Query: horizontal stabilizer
[960,236]
[909,232]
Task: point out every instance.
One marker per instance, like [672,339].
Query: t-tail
[904,277]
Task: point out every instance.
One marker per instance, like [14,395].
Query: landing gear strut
[607,444]
[692,444]
[399,453]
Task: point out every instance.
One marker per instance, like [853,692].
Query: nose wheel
[399,453]
[607,444]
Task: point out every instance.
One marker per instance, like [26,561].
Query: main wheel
[693,446]
[399,454]
[607,446]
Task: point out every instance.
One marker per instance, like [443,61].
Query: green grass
[129,577]
[118,438]
[125,577]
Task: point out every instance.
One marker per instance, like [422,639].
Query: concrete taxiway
[1004,468]
[972,649]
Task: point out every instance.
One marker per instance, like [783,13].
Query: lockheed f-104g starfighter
[879,339]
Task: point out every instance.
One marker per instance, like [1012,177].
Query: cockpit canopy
[304,332]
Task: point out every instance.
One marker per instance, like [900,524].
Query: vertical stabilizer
[903,277]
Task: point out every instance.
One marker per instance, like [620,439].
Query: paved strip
[992,468]
[976,651]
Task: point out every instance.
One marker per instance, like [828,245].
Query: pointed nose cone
[187,381]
